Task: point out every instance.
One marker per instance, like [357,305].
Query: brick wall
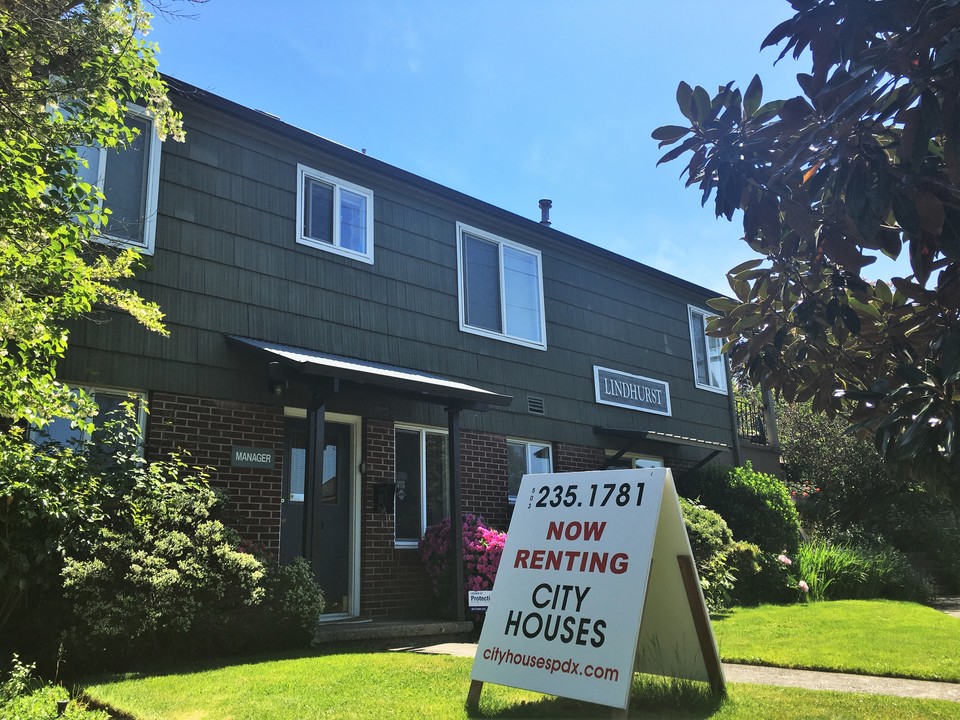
[393,581]
[483,477]
[206,429]
[568,457]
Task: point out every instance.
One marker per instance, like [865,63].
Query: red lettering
[536,561]
[522,558]
[555,531]
[594,530]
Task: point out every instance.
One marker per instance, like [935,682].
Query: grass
[877,637]
[396,685]
[835,571]
[873,637]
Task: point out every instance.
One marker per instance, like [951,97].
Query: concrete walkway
[949,605]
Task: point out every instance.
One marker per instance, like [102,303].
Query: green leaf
[751,99]
[669,133]
[685,101]
[748,265]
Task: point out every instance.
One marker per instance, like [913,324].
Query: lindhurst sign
[634,392]
[596,581]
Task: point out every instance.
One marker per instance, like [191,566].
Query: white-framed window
[501,288]
[334,215]
[421,477]
[709,364]
[526,456]
[110,402]
[129,178]
[629,461]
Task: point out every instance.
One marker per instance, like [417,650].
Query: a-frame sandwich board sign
[596,581]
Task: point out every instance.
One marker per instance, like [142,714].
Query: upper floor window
[709,366]
[334,215]
[129,178]
[422,488]
[523,457]
[501,288]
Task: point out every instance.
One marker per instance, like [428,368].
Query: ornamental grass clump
[482,549]
[842,571]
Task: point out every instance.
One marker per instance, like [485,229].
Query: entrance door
[331,537]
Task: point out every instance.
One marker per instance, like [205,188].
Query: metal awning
[428,387]
[632,436]
[660,437]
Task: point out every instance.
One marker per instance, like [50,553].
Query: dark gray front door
[331,536]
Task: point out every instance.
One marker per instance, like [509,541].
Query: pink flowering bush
[482,549]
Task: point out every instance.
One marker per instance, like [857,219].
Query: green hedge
[755,505]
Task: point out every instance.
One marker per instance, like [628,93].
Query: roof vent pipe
[545,206]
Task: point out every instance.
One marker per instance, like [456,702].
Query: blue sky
[508,102]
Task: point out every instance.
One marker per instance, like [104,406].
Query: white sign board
[573,583]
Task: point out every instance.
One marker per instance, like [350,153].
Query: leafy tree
[67,71]
[864,161]
[837,479]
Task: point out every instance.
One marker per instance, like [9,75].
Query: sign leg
[702,622]
[473,696]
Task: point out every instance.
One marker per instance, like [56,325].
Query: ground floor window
[525,456]
[633,460]
[110,402]
[422,493]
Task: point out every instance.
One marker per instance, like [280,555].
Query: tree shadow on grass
[651,697]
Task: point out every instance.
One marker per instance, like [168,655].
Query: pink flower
[784,559]
[803,586]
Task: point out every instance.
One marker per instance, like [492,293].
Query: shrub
[709,534]
[762,577]
[114,558]
[756,506]
[841,571]
[23,697]
[293,601]
[167,576]
[482,549]
[709,539]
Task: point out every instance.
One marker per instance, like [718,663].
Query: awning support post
[456,509]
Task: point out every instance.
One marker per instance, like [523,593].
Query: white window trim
[422,429]
[482,234]
[706,315]
[304,172]
[527,442]
[152,189]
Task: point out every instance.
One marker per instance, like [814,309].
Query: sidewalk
[762,675]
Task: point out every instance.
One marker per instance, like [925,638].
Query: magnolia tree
[67,71]
[863,161]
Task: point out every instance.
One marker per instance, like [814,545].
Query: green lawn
[873,637]
[879,637]
[400,685]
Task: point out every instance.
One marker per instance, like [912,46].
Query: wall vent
[535,405]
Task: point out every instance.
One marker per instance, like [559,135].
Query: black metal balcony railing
[751,421]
